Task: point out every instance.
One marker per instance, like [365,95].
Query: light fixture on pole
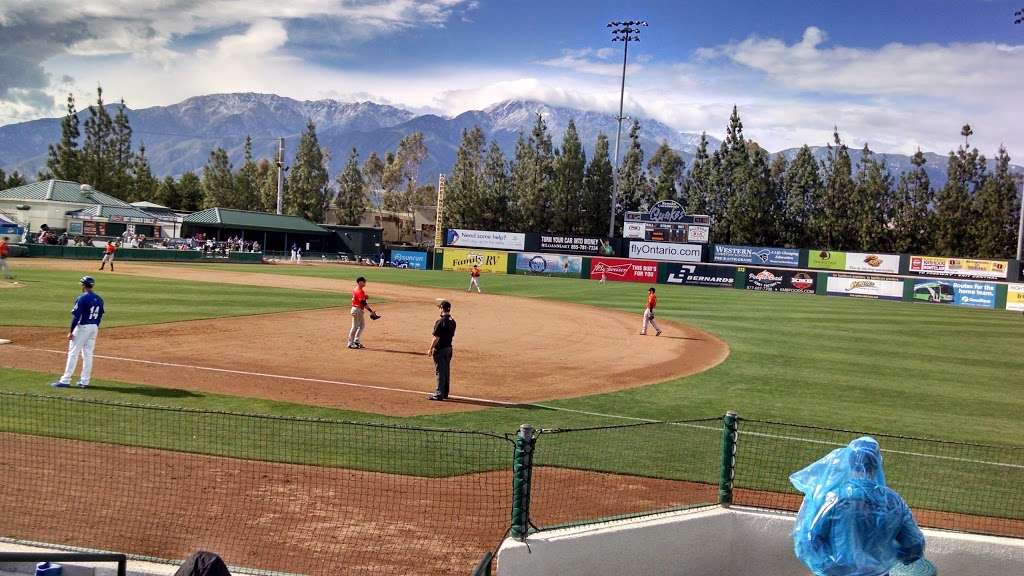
[626,31]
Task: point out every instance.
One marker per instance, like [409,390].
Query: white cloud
[599,62]
[260,38]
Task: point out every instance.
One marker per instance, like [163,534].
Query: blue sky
[898,74]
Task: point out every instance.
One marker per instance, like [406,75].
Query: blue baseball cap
[87,281]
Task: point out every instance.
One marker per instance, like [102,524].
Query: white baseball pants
[83,341]
[649,321]
[358,322]
[474,283]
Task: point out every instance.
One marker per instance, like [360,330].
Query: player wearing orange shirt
[108,255]
[652,302]
[474,280]
[359,304]
[4,252]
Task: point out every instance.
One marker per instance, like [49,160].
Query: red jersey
[475,272]
[4,250]
[110,248]
[358,297]
[652,301]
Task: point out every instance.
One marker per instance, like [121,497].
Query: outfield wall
[137,254]
[842,274]
[720,541]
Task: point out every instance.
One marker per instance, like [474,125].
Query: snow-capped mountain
[180,137]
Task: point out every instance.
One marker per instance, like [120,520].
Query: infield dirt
[507,349]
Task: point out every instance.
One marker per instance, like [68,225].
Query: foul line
[280,376]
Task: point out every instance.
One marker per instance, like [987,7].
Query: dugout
[274,232]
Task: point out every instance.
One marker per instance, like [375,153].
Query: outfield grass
[902,368]
[130,300]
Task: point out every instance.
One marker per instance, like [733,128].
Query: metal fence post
[522,472]
[728,468]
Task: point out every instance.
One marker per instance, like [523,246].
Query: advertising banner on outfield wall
[957,292]
[549,264]
[878,287]
[409,259]
[589,245]
[701,275]
[664,251]
[854,261]
[964,267]
[463,260]
[757,256]
[485,239]
[773,280]
[621,270]
[1015,297]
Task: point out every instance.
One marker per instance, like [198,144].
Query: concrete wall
[719,542]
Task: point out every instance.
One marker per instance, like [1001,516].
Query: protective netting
[951,485]
[585,475]
[277,494]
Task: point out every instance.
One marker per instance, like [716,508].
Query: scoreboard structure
[666,221]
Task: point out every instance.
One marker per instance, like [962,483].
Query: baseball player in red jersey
[359,304]
[652,302]
[108,255]
[474,280]
[4,252]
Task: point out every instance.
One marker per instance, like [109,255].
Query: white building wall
[719,542]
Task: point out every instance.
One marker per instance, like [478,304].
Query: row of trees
[752,198]
[106,160]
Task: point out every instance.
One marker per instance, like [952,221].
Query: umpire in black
[441,350]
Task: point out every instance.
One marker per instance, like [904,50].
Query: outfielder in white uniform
[86,315]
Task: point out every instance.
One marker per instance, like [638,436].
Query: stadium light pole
[625,32]
[1020,223]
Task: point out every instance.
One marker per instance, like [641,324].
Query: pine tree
[996,208]
[831,222]
[121,156]
[168,194]
[872,203]
[667,169]
[97,168]
[351,200]
[777,187]
[635,192]
[728,199]
[464,190]
[803,187]
[247,182]
[308,183]
[190,190]
[496,194]
[218,181]
[912,218]
[699,180]
[597,200]
[533,178]
[143,184]
[266,182]
[15,179]
[751,205]
[64,161]
[3,180]
[567,193]
[954,204]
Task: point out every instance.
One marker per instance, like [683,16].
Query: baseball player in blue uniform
[86,315]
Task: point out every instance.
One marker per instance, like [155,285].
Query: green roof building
[275,232]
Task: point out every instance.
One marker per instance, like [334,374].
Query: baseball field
[556,353]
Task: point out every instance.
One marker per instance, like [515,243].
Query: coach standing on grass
[441,350]
[86,315]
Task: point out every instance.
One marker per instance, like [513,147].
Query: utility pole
[280,174]
[1020,224]
[625,32]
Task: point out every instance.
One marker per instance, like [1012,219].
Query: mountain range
[179,137]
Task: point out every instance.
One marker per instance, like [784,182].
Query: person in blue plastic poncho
[850,522]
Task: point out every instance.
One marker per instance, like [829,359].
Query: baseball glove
[374,316]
